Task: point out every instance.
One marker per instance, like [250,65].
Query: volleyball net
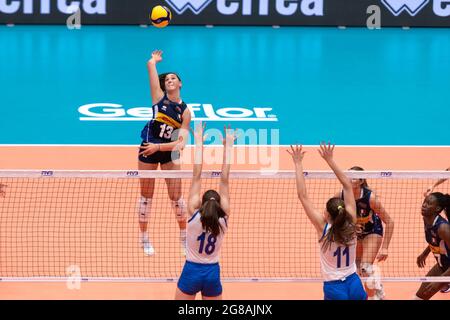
[57,224]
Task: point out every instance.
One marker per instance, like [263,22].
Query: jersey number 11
[346,253]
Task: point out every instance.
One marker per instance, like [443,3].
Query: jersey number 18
[210,246]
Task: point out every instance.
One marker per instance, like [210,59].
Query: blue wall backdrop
[354,86]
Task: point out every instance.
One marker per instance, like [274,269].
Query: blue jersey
[366,217]
[437,245]
[167,118]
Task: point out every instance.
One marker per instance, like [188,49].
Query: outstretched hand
[230,136]
[326,151]
[198,133]
[297,153]
[156,56]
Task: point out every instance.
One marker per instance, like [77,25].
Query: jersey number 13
[166,131]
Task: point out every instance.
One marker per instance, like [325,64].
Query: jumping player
[336,231]
[162,139]
[208,222]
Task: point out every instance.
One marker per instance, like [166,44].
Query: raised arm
[430,190]
[155,87]
[326,152]
[314,216]
[194,201]
[228,142]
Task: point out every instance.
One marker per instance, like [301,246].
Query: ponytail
[343,229]
[443,201]
[210,213]
[447,206]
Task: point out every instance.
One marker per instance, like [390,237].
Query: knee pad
[367,269]
[179,208]
[145,205]
[373,276]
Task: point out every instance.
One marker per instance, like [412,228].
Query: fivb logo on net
[413,7]
[181,6]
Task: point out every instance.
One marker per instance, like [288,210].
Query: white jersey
[337,262]
[202,246]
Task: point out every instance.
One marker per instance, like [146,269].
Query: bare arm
[228,141]
[444,233]
[183,134]
[421,259]
[314,216]
[184,130]
[155,88]
[326,152]
[439,182]
[194,201]
[378,208]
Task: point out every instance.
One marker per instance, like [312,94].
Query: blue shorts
[198,277]
[372,228]
[349,289]
[162,157]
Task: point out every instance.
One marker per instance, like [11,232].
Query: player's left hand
[382,255]
[149,149]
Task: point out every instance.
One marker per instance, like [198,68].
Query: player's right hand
[326,151]
[148,149]
[421,260]
[230,136]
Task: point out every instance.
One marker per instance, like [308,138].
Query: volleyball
[160,16]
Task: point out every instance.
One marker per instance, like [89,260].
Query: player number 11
[346,253]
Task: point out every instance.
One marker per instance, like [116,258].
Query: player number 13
[166,131]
